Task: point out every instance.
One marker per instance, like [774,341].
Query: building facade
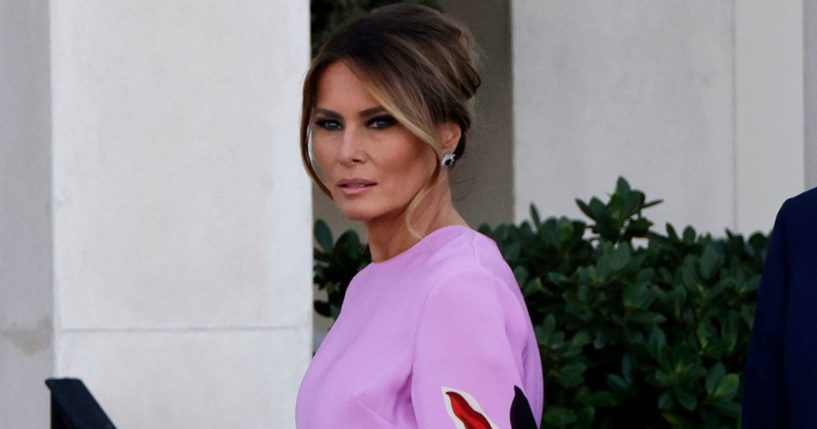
[155,221]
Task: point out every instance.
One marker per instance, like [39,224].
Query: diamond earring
[448,160]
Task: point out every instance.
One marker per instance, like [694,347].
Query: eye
[382,122]
[328,124]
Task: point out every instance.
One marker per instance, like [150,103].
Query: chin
[366,212]
[357,213]
[356,216]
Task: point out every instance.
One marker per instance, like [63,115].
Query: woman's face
[372,165]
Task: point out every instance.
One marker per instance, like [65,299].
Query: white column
[769,128]
[26,295]
[179,273]
[633,88]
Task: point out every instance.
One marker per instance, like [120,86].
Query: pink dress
[427,339]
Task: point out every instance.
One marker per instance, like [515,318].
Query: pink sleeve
[465,367]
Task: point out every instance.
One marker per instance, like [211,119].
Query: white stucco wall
[182,241]
[637,89]
[769,105]
[698,103]
[26,353]
[810,90]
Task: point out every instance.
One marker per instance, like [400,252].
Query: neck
[390,236]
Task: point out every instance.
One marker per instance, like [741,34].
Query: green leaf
[602,398]
[617,383]
[550,324]
[627,367]
[531,287]
[714,376]
[557,278]
[484,229]
[639,227]
[676,419]
[570,375]
[658,339]
[617,206]
[620,257]
[666,401]
[711,261]
[648,318]
[322,308]
[581,339]
[689,234]
[584,208]
[651,203]
[605,225]
[664,377]
[688,276]
[657,346]
[534,214]
[704,334]
[521,274]
[635,201]
[644,275]
[512,251]
[556,416]
[671,233]
[636,296]
[727,386]
[585,416]
[686,399]
[323,235]
[599,342]
[728,406]
[622,186]
[566,233]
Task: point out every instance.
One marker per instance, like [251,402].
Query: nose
[351,147]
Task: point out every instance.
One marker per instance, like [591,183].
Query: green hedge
[636,328]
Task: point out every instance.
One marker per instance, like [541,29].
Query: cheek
[411,164]
[322,155]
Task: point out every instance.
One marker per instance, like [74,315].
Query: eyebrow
[363,113]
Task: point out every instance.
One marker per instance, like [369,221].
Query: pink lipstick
[355,186]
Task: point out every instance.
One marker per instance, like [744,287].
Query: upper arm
[466,359]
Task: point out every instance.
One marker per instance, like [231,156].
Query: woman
[434,333]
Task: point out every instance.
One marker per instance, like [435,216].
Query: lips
[355,186]
[355,183]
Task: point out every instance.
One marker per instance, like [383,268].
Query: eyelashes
[377,123]
[381,122]
[328,124]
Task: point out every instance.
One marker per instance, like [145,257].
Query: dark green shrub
[636,328]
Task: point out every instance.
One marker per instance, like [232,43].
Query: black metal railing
[73,406]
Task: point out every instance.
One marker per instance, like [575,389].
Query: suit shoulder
[806,201]
[802,207]
[797,216]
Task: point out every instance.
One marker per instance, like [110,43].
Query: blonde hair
[417,63]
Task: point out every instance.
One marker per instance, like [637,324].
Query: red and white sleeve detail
[465,411]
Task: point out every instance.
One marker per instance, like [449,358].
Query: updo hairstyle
[416,62]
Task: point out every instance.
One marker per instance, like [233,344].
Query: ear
[449,134]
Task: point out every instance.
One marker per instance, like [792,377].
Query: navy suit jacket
[780,378]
